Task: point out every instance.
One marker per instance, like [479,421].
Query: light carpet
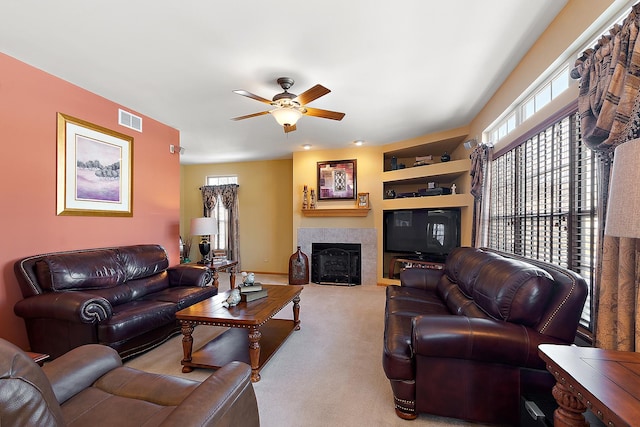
[329,373]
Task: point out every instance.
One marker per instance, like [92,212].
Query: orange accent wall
[29,102]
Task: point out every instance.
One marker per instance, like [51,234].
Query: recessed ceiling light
[358,142]
[307,146]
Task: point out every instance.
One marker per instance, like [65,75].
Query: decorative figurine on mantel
[305,198]
[313,199]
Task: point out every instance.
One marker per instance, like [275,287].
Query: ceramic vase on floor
[298,268]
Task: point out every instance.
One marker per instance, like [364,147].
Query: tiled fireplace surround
[367,237]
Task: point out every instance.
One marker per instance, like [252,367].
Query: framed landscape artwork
[94,169]
[337,180]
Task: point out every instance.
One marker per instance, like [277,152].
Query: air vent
[129,120]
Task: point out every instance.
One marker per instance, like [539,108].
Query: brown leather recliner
[89,386]
[462,342]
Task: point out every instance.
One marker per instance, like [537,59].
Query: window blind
[544,204]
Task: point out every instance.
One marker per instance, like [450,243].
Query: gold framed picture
[363,200]
[94,169]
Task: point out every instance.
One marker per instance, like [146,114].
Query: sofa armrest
[80,367]
[482,340]
[74,306]
[189,275]
[224,398]
[421,278]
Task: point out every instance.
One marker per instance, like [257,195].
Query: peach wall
[29,101]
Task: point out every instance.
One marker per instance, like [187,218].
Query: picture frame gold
[363,201]
[94,169]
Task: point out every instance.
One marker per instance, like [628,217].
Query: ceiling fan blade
[314,93]
[289,128]
[248,116]
[252,96]
[325,114]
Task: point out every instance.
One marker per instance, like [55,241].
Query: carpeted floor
[327,374]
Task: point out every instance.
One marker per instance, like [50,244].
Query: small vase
[298,268]
[445,157]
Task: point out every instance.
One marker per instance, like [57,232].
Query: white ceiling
[397,69]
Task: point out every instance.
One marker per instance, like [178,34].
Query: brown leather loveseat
[125,297]
[89,386]
[462,342]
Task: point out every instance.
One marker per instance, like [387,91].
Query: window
[519,112]
[544,201]
[219,241]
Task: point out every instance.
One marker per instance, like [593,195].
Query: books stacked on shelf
[423,160]
[252,292]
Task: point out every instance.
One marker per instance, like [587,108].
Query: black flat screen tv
[428,234]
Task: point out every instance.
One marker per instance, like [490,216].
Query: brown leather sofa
[89,386]
[462,342]
[125,297]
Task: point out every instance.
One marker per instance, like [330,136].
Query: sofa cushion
[148,285]
[142,260]
[463,266]
[183,296]
[135,318]
[513,290]
[80,271]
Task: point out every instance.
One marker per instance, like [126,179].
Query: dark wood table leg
[570,409]
[216,283]
[254,353]
[232,276]
[296,313]
[187,345]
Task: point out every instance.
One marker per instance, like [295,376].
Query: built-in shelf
[336,212]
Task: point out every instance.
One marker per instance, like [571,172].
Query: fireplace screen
[336,263]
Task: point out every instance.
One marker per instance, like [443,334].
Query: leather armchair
[89,386]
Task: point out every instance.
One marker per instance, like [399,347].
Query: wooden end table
[217,266]
[603,381]
[253,335]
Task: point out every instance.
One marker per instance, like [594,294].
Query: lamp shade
[204,226]
[286,115]
[623,207]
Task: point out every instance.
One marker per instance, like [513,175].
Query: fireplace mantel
[336,212]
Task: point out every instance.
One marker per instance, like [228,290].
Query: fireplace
[367,238]
[336,263]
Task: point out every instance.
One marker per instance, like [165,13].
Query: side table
[224,265]
[604,381]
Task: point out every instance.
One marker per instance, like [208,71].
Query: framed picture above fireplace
[337,180]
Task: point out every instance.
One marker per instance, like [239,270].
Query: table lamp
[204,227]
[624,192]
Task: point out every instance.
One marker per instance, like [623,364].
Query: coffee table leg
[296,313]
[254,353]
[187,345]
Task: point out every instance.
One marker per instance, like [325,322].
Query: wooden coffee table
[253,335]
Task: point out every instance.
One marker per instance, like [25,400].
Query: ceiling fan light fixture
[286,116]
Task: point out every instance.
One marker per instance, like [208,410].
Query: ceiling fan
[290,107]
